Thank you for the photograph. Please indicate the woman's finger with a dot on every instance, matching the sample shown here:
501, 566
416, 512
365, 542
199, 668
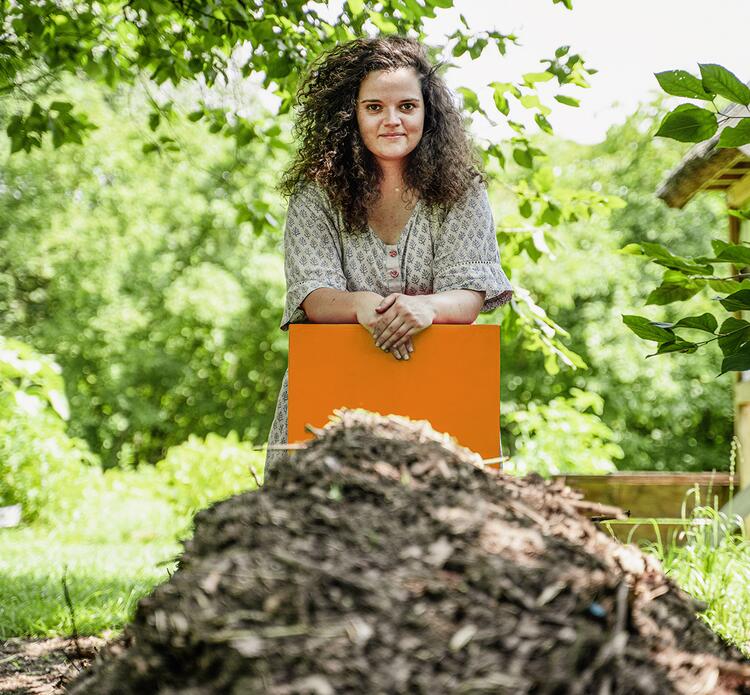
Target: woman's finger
390, 333
400, 353
398, 337
406, 342
386, 303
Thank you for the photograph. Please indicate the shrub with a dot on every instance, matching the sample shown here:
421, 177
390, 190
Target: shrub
199, 472
562, 436
39, 462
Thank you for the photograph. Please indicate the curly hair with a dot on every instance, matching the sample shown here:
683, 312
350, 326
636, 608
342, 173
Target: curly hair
332, 154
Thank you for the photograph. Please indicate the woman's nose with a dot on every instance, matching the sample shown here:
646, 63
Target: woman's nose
392, 117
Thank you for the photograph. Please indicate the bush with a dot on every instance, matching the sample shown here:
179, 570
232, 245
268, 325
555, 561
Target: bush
562, 437
40, 466
199, 472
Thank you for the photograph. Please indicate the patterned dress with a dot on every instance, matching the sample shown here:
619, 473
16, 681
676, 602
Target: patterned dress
437, 251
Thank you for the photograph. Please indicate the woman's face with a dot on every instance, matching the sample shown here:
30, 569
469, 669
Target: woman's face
390, 113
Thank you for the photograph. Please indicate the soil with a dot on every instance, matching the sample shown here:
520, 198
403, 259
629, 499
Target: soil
383, 559
43, 666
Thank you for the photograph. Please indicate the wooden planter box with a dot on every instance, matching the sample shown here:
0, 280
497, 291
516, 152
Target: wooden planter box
668, 497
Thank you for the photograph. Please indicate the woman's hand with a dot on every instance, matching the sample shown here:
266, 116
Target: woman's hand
401, 316
368, 318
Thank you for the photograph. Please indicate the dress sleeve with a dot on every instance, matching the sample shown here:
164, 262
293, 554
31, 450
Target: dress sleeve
466, 255
312, 251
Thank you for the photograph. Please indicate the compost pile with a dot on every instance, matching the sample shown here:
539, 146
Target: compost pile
384, 559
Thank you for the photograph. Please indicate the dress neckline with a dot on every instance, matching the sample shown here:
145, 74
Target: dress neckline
403, 229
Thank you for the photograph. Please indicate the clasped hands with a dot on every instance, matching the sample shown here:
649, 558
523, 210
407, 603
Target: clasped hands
393, 320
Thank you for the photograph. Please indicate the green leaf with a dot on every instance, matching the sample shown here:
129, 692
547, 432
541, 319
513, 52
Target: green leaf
551, 215
719, 80
731, 253
531, 78
671, 292
543, 123
355, 7
705, 322
676, 345
681, 83
736, 301
470, 98
646, 329
153, 121
738, 362
724, 286
735, 332
497, 152
523, 158
737, 136
663, 257
688, 123
195, 116
568, 101
525, 208
501, 102
632, 250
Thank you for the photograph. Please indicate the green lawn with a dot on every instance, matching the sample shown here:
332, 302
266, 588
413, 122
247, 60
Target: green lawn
104, 579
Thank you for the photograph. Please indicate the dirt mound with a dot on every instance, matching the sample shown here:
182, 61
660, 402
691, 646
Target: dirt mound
382, 559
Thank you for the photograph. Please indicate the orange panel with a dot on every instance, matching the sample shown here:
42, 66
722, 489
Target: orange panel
452, 379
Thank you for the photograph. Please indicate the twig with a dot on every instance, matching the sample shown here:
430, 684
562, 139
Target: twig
71, 610
255, 477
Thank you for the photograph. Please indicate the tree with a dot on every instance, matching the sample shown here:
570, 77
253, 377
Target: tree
686, 276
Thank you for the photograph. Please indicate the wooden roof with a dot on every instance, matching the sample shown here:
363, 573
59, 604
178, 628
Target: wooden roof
708, 168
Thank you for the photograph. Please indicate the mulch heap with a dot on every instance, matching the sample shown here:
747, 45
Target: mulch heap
384, 559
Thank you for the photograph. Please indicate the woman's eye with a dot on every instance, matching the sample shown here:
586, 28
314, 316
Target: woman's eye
373, 107
407, 107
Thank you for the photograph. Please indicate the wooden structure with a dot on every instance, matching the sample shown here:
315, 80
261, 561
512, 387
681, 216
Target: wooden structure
657, 504
452, 379
708, 168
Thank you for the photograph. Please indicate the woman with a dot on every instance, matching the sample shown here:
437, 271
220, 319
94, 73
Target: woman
389, 224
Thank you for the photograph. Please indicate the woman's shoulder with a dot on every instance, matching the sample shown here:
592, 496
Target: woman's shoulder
310, 200
474, 196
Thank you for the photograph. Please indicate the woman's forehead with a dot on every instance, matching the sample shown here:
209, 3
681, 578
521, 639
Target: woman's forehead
399, 84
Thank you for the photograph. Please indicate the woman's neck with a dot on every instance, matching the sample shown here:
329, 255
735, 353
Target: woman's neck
392, 180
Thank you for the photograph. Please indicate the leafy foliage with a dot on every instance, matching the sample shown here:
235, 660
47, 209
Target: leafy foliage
685, 277
161, 310
562, 436
39, 463
665, 414
199, 472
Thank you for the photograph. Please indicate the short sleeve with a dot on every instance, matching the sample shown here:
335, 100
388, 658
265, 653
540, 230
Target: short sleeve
312, 251
466, 256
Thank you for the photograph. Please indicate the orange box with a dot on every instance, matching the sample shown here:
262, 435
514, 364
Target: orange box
452, 379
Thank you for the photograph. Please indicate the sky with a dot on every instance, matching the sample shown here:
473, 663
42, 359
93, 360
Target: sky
627, 41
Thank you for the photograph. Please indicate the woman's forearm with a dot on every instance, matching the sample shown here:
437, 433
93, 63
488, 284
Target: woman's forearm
326, 305
455, 306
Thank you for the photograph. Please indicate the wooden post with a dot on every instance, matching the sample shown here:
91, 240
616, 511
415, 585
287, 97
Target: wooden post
741, 387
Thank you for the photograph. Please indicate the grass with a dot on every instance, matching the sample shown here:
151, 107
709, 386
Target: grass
712, 564
105, 580
113, 539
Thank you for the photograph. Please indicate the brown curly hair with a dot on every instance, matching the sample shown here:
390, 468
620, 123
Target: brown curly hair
332, 154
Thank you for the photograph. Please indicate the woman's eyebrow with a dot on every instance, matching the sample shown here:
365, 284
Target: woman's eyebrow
400, 101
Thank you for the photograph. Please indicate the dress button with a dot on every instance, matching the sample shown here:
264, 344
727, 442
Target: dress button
393, 253
394, 273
